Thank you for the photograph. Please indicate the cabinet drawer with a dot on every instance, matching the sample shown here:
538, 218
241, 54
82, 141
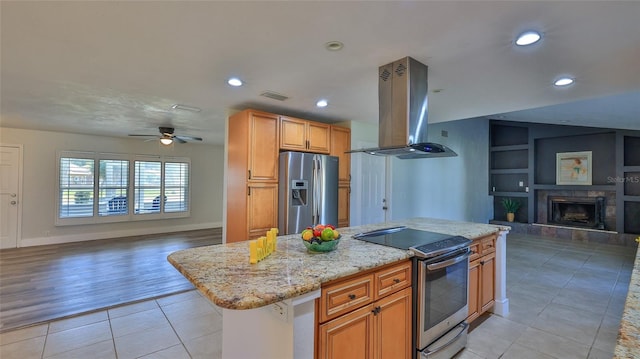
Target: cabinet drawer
475, 251
488, 245
392, 279
342, 297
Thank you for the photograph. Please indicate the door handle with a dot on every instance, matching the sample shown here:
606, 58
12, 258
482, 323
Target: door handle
13, 195
14, 202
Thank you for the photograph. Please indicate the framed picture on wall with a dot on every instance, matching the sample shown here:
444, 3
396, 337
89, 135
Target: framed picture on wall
573, 168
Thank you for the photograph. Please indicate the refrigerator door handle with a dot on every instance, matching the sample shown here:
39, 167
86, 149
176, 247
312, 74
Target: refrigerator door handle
319, 189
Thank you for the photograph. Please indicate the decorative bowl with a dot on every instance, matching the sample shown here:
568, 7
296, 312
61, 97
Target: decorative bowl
319, 246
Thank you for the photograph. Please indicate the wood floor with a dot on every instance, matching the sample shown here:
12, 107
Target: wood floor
42, 283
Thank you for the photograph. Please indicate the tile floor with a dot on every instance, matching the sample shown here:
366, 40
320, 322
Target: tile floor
566, 302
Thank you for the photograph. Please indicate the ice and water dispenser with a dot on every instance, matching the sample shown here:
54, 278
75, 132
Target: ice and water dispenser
298, 195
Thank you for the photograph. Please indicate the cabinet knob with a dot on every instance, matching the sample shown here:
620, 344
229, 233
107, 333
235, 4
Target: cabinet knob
396, 280
352, 296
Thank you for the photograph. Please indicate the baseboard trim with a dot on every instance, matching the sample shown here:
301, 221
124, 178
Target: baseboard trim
69, 238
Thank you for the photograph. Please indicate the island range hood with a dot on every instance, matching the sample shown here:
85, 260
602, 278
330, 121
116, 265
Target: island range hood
402, 100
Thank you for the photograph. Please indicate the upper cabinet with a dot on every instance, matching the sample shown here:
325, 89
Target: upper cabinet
304, 136
340, 144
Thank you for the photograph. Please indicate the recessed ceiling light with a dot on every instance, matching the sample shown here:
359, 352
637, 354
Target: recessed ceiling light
322, 103
563, 81
334, 46
528, 38
234, 81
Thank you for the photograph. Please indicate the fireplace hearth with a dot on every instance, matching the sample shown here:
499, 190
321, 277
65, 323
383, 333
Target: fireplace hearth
583, 212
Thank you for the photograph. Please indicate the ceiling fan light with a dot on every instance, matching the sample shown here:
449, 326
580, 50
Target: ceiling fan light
166, 141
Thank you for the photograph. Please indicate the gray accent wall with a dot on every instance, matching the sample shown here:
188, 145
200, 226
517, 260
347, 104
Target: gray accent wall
452, 188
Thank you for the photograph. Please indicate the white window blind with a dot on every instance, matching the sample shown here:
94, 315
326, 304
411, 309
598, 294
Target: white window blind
176, 186
148, 186
76, 187
113, 188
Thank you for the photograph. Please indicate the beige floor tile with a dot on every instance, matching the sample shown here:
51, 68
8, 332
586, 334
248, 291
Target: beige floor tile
146, 342
600, 354
516, 351
188, 309
180, 297
552, 345
174, 352
191, 328
502, 327
25, 349
75, 338
137, 322
23, 334
467, 354
79, 321
101, 350
206, 347
484, 343
132, 308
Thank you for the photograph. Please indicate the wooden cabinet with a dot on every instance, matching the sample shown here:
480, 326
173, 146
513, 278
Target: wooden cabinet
367, 316
304, 136
340, 144
482, 274
252, 175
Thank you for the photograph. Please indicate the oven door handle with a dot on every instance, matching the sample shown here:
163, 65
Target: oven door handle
430, 353
449, 262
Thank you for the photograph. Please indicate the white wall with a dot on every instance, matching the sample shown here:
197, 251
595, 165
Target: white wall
453, 188
39, 185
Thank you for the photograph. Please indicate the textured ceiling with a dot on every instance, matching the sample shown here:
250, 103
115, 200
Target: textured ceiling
114, 68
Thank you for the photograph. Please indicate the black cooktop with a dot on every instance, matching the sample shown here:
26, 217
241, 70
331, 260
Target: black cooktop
424, 243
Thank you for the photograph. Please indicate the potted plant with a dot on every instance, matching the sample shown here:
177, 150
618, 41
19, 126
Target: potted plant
511, 206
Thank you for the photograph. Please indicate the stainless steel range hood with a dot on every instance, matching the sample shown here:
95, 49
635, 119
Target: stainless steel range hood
402, 100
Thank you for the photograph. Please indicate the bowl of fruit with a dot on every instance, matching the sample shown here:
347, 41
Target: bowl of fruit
321, 238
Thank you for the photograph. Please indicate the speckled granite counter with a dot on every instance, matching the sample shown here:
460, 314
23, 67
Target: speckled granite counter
224, 275
628, 345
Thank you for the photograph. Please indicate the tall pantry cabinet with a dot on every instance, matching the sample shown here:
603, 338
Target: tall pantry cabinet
341, 143
252, 175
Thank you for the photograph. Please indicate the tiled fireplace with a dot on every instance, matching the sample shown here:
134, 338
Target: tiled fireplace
582, 209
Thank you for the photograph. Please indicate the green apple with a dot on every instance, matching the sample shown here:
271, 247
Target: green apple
327, 234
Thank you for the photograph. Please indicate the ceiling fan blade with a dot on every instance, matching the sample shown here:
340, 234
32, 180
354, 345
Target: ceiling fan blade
179, 139
143, 135
188, 138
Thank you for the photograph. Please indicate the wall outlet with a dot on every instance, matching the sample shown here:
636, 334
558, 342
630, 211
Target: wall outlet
521, 184
444, 133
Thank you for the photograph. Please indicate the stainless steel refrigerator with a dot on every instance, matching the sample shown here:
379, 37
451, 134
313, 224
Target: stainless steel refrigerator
308, 191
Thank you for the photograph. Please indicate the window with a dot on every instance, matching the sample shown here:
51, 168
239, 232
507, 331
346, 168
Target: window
102, 187
76, 187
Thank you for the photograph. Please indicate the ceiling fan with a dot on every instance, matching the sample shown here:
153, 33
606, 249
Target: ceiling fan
167, 137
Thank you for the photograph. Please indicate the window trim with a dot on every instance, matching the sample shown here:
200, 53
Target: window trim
131, 216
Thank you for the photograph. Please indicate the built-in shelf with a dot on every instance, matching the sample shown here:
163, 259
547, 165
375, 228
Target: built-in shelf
510, 194
509, 171
510, 148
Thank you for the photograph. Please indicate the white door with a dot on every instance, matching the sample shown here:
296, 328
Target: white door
9, 195
368, 183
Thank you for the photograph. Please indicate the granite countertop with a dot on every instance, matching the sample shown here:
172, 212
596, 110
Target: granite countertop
223, 273
628, 345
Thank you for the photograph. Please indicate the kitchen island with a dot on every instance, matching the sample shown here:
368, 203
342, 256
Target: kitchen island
628, 345
269, 307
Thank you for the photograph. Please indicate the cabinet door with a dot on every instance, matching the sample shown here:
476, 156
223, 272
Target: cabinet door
263, 148
293, 134
474, 288
262, 208
344, 193
318, 137
348, 337
341, 143
392, 337
487, 292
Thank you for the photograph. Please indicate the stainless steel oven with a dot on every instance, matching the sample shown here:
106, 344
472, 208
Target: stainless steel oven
440, 287
442, 303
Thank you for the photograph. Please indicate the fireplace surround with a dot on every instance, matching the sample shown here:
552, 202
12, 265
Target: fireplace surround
583, 212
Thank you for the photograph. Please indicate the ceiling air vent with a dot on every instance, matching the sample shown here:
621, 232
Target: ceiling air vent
274, 95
